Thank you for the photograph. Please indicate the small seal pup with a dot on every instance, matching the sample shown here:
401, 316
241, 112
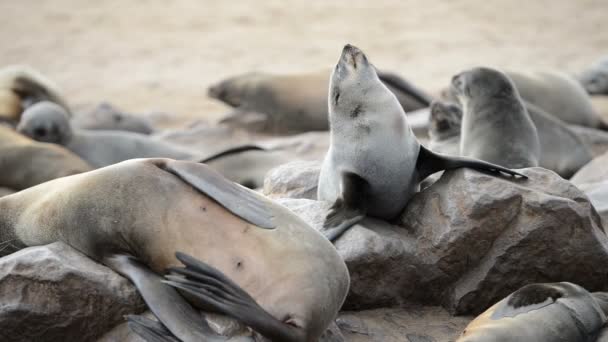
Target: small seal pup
496, 126
540, 312
595, 78
22, 86
25, 162
444, 128
297, 102
374, 164
246, 257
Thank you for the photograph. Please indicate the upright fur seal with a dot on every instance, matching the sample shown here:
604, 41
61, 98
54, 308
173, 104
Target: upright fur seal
298, 102
595, 78
246, 256
25, 162
22, 86
496, 126
540, 312
374, 164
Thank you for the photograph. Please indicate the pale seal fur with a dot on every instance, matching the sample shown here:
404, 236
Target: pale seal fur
496, 126
246, 256
595, 78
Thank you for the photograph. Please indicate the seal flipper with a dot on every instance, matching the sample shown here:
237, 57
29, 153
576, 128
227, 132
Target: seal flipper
406, 87
231, 151
150, 330
430, 162
349, 209
238, 200
165, 302
215, 290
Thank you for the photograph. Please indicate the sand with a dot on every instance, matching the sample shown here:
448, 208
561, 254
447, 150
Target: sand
146, 55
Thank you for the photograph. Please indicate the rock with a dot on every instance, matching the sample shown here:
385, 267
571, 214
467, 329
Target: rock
596, 139
595, 171
55, 293
411, 324
293, 180
107, 117
469, 240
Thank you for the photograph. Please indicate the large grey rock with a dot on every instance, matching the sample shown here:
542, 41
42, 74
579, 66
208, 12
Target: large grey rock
297, 179
55, 293
595, 171
469, 240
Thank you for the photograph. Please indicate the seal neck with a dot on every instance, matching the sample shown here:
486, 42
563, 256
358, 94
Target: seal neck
9, 242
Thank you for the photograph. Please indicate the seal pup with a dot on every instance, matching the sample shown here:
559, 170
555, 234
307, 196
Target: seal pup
496, 126
444, 128
374, 164
297, 102
25, 162
107, 117
595, 78
540, 312
246, 257
22, 86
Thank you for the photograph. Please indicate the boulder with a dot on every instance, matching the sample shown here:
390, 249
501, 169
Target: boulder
55, 293
595, 171
469, 240
297, 179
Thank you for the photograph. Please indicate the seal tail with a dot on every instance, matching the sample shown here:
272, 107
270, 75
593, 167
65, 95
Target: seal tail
430, 162
401, 84
231, 151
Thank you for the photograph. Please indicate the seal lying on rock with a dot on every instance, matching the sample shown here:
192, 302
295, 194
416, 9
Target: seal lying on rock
246, 257
540, 312
375, 163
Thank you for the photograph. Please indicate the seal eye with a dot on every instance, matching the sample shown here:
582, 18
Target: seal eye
39, 132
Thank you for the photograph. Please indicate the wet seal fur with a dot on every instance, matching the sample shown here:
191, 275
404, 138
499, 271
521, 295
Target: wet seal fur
540, 312
375, 163
245, 256
496, 126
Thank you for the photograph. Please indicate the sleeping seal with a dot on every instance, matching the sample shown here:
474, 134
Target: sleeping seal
22, 86
246, 256
539, 312
496, 126
298, 102
374, 164
25, 162
444, 128
595, 78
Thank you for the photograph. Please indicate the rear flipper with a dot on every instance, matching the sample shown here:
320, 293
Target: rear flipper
150, 330
165, 302
216, 291
430, 162
349, 209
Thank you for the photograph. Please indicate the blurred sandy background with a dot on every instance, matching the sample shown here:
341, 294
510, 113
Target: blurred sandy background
147, 55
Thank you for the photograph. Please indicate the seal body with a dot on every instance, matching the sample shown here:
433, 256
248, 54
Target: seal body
539, 312
108, 118
444, 128
151, 208
496, 126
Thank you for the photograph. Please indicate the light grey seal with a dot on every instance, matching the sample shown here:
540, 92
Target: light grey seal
595, 78
246, 257
374, 164
540, 312
444, 128
496, 126
106, 117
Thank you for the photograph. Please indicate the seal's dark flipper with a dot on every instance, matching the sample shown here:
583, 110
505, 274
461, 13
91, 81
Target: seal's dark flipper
398, 82
149, 330
215, 290
348, 209
165, 302
430, 162
231, 151
238, 200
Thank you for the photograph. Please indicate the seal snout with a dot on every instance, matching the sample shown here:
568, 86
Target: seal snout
353, 56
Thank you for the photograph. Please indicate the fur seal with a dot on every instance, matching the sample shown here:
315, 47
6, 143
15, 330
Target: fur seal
540, 312
444, 128
297, 102
246, 257
22, 86
595, 78
375, 163
107, 117
496, 126
25, 162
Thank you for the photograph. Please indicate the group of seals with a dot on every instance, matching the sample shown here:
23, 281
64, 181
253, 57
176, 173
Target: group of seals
375, 163
541, 312
297, 102
246, 256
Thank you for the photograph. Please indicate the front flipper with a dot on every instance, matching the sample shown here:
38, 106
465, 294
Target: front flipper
231, 151
165, 302
430, 162
149, 330
349, 209
238, 200
215, 290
